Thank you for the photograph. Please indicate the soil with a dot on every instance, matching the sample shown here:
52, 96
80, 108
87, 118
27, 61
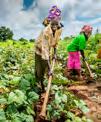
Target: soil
91, 94
88, 90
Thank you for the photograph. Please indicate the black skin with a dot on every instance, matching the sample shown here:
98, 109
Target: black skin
82, 51
83, 55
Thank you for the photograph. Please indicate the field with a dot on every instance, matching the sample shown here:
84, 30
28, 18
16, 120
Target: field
20, 96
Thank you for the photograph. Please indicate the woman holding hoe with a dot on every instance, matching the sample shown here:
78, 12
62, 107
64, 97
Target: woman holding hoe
75, 48
47, 40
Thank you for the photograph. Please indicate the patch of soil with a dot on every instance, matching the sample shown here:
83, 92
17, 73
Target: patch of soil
91, 94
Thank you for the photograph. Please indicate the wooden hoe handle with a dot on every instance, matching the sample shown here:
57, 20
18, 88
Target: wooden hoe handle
91, 74
43, 110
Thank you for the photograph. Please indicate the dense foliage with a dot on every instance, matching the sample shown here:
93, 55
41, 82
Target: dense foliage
5, 33
18, 91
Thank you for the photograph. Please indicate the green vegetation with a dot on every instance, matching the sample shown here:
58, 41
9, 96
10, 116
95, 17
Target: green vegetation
5, 33
18, 91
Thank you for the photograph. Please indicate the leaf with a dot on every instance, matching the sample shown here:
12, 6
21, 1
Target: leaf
76, 103
27, 118
20, 96
64, 98
70, 115
2, 116
55, 87
3, 101
56, 114
49, 108
68, 120
16, 119
12, 98
82, 102
15, 81
17, 96
24, 84
85, 109
82, 106
28, 77
11, 109
89, 120
30, 111
32, 96
77, 119
57, 98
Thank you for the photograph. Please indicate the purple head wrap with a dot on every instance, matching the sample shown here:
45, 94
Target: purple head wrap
54, 13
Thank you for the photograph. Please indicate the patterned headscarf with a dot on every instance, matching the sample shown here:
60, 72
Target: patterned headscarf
86, 28
54, 13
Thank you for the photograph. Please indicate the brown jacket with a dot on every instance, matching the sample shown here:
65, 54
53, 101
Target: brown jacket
46, 41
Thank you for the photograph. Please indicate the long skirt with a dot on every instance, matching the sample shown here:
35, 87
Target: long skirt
73, 61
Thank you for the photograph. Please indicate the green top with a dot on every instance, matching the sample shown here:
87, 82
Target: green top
78, 43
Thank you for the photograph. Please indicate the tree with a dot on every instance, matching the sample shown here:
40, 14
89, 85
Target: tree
5, 33
32, 40
23, 40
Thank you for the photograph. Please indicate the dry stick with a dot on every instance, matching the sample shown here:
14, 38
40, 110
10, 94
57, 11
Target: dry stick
43, 111
91, 74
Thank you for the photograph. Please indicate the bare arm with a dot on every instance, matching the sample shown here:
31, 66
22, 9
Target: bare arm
82, 53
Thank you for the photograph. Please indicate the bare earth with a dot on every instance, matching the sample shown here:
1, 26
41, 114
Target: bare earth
91, 94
